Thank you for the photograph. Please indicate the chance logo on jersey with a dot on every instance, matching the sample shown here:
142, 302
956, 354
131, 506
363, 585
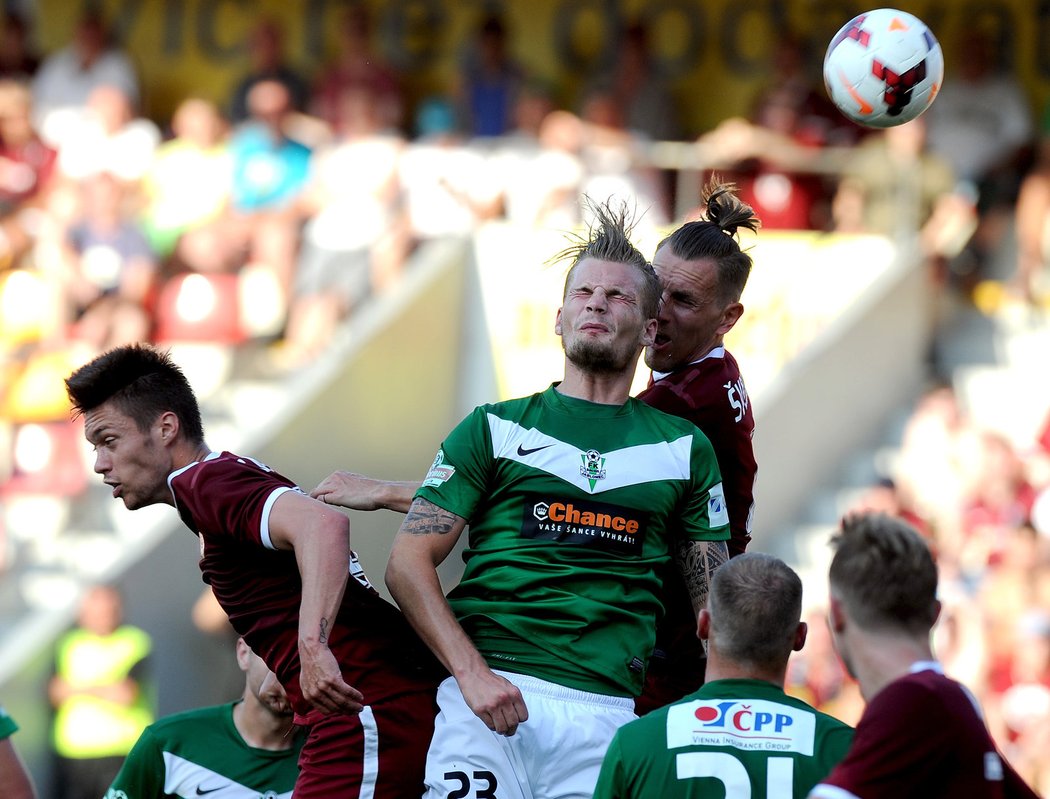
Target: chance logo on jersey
741, 724
584, 523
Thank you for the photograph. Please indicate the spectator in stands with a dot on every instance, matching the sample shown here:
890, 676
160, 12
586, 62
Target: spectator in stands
15, 782
268, 63
270, 171
488, 82
340, 263
538, 164
357, 65
982, 126
18, 59
190, 180
107, 136
66, 78
640, 90
771, 155
616, 162
110, 268
448, 187
899, 186
97, 691
26, 162
27, 169
246, 748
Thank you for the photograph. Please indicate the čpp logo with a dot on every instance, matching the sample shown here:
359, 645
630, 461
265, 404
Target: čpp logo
739, 717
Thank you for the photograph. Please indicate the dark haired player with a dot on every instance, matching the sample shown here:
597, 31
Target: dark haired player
703, 272
280, 565
922, 734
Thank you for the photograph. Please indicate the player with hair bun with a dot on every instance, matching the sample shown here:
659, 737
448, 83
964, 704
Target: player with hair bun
703, 271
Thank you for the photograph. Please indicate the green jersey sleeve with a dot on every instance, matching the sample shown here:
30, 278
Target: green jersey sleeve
7, 725
459, 476
142, 775
704, 516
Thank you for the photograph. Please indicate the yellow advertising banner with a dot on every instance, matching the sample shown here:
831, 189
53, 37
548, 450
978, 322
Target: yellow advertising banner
714, 54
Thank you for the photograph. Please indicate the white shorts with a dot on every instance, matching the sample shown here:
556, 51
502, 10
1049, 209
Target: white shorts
556, 754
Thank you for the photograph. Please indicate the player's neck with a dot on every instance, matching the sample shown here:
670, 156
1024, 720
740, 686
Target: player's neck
260, 728
880, 658
719, 669
603, 388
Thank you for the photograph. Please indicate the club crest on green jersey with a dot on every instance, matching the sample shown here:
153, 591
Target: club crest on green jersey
593, 466
439, 471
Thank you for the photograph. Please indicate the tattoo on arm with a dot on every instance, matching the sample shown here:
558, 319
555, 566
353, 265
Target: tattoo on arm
323, 633
425, 517
697, 560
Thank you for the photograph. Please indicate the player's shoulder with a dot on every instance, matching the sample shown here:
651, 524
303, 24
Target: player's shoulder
190, 723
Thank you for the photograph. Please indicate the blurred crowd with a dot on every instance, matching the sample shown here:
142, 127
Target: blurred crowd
270, 218
982, 501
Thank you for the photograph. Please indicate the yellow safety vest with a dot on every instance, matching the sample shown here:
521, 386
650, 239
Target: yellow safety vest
87, 726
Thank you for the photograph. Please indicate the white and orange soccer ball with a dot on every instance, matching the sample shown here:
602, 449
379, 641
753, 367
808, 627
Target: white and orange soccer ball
883, 68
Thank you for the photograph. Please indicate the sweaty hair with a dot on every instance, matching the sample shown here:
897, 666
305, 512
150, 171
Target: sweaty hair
884, 574
609, 239
714, 236
142, 383
755, 605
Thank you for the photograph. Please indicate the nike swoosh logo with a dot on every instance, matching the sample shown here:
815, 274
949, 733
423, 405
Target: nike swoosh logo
522, 451
201, 791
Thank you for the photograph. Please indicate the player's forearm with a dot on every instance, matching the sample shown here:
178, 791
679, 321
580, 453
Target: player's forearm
324, 561
411, 577
395, 496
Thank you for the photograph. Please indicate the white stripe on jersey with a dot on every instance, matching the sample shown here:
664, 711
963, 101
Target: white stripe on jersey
630, 466
823, 791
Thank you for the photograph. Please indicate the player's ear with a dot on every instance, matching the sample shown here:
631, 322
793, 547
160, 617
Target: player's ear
800, 637
557, 323
836, 616
168, 427
649, 334
244, 654
703, 625
730, 316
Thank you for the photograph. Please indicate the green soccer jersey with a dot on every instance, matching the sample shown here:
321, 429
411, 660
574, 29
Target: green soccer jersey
571, 507
732, 738
7, 725
200, 753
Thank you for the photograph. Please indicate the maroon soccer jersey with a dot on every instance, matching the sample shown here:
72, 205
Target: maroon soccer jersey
922, 736
711, 394
226, 500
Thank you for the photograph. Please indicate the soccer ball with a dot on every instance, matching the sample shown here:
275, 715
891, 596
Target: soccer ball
883, 68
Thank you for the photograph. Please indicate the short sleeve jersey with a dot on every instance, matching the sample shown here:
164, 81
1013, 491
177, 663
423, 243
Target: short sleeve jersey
572, 506
7, 725
200, 752
731, 738
227, 499
922, 736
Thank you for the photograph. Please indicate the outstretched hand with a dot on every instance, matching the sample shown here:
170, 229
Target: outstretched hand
349, 489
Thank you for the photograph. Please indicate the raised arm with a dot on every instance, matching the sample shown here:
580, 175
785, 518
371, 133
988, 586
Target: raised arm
427, 536
697, 561
320, 538
358, 492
